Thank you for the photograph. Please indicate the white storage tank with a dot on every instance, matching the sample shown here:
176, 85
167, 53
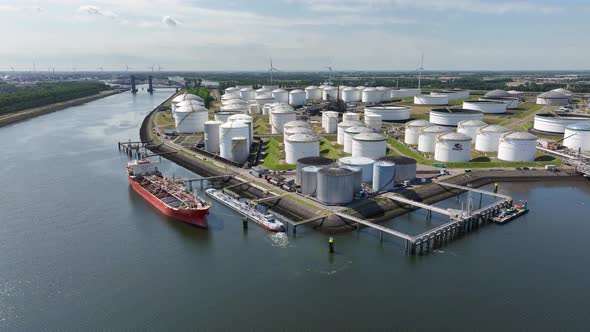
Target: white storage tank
211, 135
405, 93
390, 113
313, 92
511, 102
263, 92
309, 179
296, 123
231, 90
370, 145
330, 93
297, 97
470, 127
229, 96
452, 147
350, 94
227, 132
350, 116
234, 102
246, 119
577, 136
366, 165
297, 130
335, 186
235, 108
452, 117
330, 121
374, 121
342, 126
240, 87
384, 93
485, 106
270, 87
311, 161
264, 99
247, 94
555, 122
405, 168
183, 97
517, 146
223, 116
487, 138
553, 98
427, 138
357, 177
190, 119
498, 93
412, 132
431, 100
190, 103
281, 96
301, 146
280, 116
452, 94
383, 176
240, 149
371, 95
350, 132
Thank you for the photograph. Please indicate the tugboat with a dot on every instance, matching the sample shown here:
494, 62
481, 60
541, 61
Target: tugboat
509, 214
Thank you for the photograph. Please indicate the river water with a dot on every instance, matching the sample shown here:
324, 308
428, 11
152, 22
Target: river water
80, 250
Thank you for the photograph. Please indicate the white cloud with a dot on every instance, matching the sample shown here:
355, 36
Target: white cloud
170, 21
95, 10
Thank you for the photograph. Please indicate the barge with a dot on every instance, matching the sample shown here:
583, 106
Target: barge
509, 214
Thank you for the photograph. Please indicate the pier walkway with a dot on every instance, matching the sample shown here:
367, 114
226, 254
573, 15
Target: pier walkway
475, 190
448, 212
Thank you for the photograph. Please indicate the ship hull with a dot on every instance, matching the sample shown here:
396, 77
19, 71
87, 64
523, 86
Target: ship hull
195, 217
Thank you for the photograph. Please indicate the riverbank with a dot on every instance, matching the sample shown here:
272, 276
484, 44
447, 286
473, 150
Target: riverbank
36, 111
375, 210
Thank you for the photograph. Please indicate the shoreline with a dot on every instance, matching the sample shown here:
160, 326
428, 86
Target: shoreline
376, 211
22, 115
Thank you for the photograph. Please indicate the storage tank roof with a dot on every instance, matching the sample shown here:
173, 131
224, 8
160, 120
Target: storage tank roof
435, 129
384, 163
189, 102
520, 135
370, 89
485, 102
369, 137
312, 169
349, 88
358, 130
299, 130
280, 110
552, 95
192, 108
582, 126
213, 122
564, 91
494, 129
418, 123
263, 90
498, 93
302, 138
186, 96
455, 111
246, 90
400, 160
355, 161
315, 161
350, 123
296, 91
471, 123
235, 124
312, 87
387, 108
454, 137
296, 123
239, 117
335, 171
279, 90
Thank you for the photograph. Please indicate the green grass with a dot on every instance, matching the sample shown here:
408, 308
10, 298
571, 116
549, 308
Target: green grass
273, 155
298, 200
328, 150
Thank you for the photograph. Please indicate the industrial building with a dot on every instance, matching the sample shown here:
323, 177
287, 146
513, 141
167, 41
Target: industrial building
452, 116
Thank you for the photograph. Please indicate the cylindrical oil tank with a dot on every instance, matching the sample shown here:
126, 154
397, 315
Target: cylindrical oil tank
229, 96
240, 149
297, 97
412, 132
280, 116
370, 145
234, 102
342, 126
577, 136
297, 130
485, 106
405, 168
296, 123
511, 103
232, 90
190, 103
487, 138
330, 121
270, 87
374, 121
183, 97
357, 178
243, 87
311, 161
235, 108
227, 132
211, 136
453, 147
330, 93
246, 119
384, 93
300, 146
309, 179
431, 100
452, 117
350, 132
223, 116
556, 122
190, 119
281, 96
383, 176
335, 186
350, 94
263, 92
361, 88
405, 93
313, 92
517, 146
366, 165
253, 108
371, 95
427, 138
470, 127
553, 98
264, 99
248, 94
389, 113
350, 116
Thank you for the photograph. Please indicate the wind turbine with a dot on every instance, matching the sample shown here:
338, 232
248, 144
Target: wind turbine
330, 69
271, 70
420, 70
127, 67
152, 67
160, 67
100, 68
12, 68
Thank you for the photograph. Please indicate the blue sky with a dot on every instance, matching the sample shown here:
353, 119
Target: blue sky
298, 34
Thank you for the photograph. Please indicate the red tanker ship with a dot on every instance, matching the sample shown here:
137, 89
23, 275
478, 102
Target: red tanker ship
166, 195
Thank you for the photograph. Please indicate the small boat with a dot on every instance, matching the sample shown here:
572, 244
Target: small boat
267, 221
511, 213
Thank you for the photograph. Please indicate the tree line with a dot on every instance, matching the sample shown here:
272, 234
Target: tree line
203, 93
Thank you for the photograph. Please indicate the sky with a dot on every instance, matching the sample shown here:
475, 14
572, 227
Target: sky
233, 35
